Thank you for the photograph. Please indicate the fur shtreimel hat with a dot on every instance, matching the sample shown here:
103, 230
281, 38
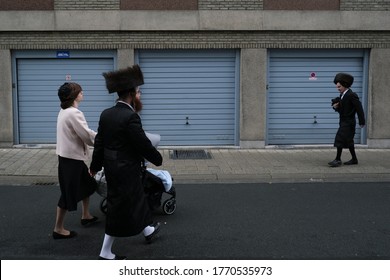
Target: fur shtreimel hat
346, 80
124, 79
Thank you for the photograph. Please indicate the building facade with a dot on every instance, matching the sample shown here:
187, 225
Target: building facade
220, 73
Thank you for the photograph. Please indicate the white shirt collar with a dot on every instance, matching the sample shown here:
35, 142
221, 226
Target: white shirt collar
344, 93
127, 104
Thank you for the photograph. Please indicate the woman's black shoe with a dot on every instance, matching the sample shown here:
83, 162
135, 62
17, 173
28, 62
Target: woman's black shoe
87, 222
63, 236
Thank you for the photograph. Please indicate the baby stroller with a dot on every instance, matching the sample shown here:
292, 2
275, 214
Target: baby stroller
155, 183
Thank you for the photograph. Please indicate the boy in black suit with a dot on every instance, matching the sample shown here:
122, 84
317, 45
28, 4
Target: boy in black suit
347, 105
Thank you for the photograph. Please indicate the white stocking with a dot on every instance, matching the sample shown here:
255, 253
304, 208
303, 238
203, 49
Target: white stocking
107, 246
148, 230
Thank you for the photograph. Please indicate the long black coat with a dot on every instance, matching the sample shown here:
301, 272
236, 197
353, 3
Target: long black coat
120, 146
349, 106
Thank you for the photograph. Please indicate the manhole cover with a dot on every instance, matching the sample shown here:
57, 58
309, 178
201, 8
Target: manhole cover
189, 154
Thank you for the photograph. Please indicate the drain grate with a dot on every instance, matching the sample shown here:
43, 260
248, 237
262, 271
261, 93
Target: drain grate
189, 154
44, 184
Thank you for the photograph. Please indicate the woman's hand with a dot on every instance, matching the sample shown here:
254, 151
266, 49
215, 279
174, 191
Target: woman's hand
92, 173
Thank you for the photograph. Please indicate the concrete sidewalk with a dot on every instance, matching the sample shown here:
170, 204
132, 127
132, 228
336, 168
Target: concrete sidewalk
20, 166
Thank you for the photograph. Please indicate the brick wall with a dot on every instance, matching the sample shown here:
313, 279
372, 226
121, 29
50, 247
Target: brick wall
301, 4
345, 5
126, 5
159, 4
189, 40
365, 5
230, 4
86, 5
22, 5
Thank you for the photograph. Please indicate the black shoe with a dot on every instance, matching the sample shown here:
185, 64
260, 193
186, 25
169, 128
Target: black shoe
150, 237
63, 236
115, 258
87, 222
351, 162
335, 163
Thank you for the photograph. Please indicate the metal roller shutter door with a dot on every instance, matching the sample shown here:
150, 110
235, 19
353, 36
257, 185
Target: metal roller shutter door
190, 96
300, 87
37, 87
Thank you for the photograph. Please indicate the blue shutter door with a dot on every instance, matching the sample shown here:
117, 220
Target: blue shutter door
38, 102
190, 96
300, 89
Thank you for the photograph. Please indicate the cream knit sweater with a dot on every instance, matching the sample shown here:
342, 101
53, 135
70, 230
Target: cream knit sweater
73, 134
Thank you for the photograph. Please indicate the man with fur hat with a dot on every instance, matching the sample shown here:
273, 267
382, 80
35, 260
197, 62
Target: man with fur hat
120, 146
347, 105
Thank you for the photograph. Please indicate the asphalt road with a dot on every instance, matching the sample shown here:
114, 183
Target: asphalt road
312, 221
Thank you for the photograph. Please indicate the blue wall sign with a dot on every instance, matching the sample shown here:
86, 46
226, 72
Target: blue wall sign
63, 54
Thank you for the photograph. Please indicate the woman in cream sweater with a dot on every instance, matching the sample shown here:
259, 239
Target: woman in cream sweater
73, 138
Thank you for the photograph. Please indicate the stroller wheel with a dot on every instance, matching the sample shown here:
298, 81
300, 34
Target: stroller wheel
169, 206
103, 206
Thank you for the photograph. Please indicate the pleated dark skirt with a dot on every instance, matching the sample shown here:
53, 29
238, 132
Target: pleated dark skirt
75, 183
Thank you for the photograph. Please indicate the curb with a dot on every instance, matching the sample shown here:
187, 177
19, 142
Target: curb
224, 179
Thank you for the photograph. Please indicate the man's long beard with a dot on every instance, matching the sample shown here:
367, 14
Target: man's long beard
137, 105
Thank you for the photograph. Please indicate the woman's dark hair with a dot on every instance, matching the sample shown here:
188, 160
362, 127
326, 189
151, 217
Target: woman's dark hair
67, 93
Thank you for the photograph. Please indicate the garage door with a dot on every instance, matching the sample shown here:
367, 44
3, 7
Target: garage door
300, 87
38, 80
190, 96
